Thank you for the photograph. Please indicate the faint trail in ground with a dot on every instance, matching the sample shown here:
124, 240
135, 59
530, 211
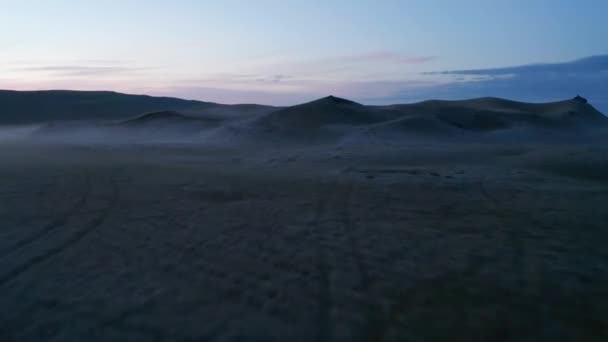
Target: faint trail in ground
324, 299
54, 224
73, 239
515, 234
375, 322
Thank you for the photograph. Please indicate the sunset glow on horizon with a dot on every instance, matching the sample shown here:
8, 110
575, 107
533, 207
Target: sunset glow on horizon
285, 52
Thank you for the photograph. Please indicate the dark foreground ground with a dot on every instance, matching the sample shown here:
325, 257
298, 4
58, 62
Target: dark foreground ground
419, 243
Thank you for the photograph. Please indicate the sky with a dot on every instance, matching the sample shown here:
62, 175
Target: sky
286, 52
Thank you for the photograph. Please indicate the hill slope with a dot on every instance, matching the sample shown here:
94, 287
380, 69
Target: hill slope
327, 118
487, 114
18, 107
329, 110
168, 117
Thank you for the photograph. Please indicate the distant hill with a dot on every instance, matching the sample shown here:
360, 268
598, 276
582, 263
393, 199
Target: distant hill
18, 107
167, 117
170, 120
436, 116
328, 118
329, 110
488, 113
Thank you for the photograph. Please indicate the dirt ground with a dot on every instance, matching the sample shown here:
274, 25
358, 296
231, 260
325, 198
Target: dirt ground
386, 243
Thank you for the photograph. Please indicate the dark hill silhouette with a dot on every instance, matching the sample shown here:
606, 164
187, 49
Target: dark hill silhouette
154, 125
163, 115
326, 117
329, 110
59, 105
438, 118
169, 117
487, 114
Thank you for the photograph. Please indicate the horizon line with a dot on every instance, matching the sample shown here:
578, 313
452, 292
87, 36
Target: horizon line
295, 104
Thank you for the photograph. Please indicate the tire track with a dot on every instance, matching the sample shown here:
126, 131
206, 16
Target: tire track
349, 226
375, 327
514, 236
324, 300
54, 224
73, 239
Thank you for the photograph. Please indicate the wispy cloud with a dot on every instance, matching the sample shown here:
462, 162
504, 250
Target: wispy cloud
231, 96
79, 70
359, 65
274, 74
235, 78
591, 64
273, 78
354, 76
533, 82
369, 74
296, 91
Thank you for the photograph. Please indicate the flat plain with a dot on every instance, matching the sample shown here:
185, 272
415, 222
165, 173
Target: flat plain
418, 242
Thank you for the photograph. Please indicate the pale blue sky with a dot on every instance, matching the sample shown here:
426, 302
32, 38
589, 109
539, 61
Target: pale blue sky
282, 52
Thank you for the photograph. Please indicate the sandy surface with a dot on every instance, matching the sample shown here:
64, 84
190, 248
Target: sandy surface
413, 243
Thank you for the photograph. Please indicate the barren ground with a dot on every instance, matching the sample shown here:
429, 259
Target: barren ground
418, 243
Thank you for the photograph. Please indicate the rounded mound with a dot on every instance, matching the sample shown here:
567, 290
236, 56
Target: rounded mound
330, 110
167, 115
